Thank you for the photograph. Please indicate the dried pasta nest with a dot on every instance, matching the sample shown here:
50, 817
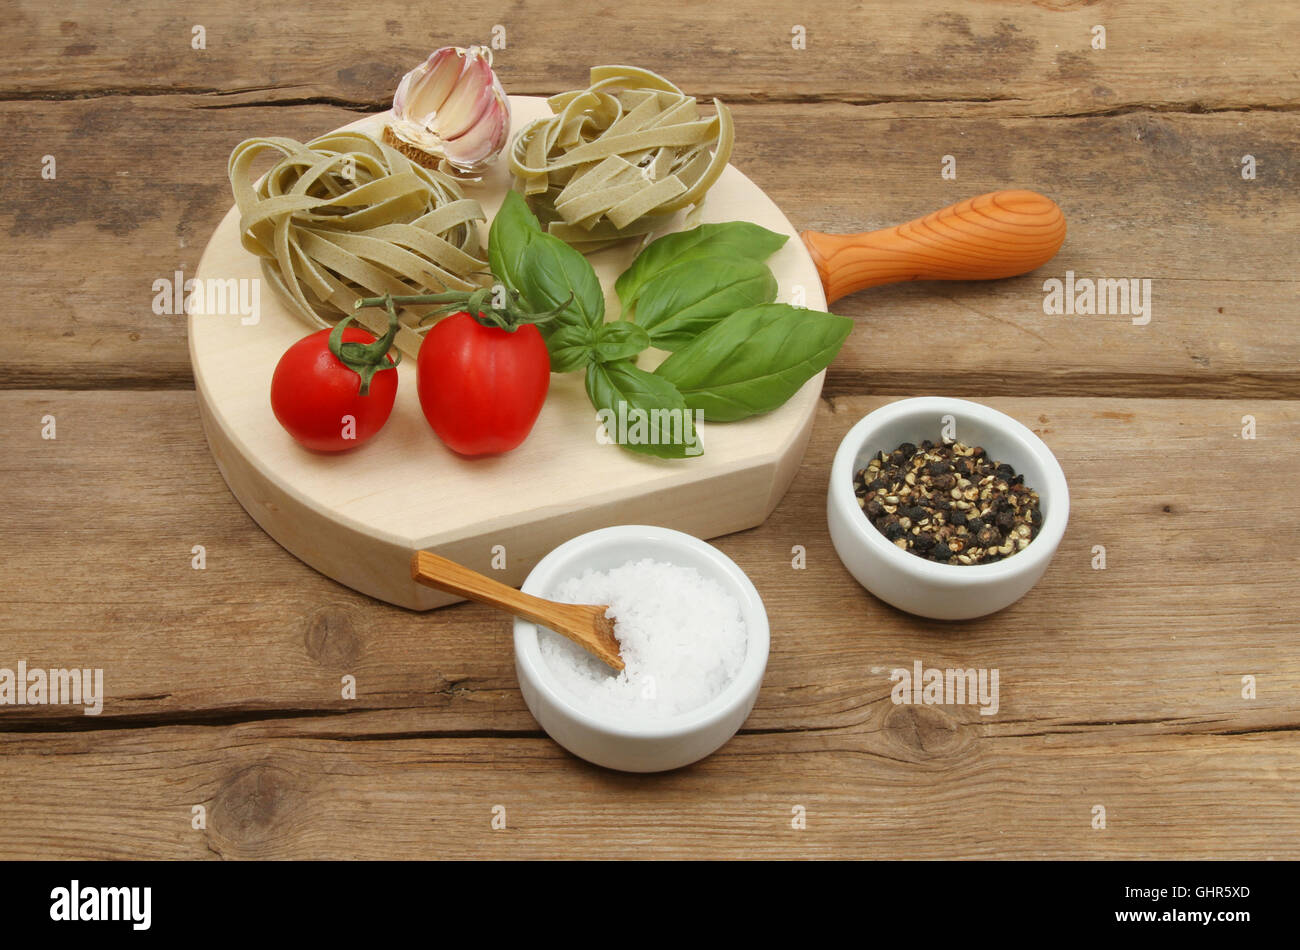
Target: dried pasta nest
617, 159
344, 217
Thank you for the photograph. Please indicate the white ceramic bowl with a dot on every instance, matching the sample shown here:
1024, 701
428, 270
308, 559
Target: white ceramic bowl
929, 588
621, 743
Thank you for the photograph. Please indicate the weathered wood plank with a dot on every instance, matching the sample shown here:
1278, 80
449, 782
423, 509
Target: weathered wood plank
1147, 196
1021, 57
901, 786
1197, 593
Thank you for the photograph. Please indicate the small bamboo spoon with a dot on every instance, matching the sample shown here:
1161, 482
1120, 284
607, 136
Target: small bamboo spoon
584, 624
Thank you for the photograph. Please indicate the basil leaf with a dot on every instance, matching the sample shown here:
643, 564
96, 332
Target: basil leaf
512, 231
552, 273
620, 340
730, 239
571, 346
755, 359
679, 304
641, 411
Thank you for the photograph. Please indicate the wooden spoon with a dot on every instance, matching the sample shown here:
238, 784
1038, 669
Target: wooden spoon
584, 624
999, 234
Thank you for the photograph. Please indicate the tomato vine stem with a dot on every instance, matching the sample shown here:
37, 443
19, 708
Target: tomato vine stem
366, 359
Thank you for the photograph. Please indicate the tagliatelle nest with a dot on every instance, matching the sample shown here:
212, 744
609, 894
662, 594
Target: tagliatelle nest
345, 217
618, 158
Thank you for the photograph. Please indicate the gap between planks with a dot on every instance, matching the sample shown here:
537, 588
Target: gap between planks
370, 106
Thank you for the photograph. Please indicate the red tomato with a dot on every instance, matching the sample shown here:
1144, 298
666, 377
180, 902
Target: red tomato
482, 388
313, 394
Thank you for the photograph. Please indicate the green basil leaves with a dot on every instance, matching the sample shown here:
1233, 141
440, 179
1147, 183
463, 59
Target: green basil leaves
733, 240
641, 411
677, 305
705, 295
754, 360
544, 270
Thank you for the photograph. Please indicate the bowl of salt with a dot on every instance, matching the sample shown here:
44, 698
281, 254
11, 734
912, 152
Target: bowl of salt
692, 632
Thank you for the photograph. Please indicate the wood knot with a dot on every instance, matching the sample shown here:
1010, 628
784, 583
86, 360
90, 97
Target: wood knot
251, 806
924, 729
331, 638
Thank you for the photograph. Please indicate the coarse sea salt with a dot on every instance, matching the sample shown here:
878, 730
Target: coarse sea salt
681, 635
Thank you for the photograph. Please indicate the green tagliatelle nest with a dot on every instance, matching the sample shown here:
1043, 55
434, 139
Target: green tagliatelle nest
345, 217
618, 158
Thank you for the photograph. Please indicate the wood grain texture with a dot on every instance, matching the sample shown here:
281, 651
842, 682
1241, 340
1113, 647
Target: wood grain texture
898, 786
1145, 196
991, 236
1119, 687
1192, 602
1022, 57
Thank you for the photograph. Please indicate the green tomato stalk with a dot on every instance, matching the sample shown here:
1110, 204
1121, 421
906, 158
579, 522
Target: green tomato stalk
366, 359
510, 316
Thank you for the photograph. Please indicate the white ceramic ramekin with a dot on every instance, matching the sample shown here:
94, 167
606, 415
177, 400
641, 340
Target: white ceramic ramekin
624, 744
929, 588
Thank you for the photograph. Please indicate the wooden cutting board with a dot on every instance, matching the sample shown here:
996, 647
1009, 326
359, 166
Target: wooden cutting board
357, 517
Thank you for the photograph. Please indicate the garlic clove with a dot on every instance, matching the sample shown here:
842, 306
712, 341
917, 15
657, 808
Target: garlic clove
485, 108
451, 109
424, 89
484, 138
463, 106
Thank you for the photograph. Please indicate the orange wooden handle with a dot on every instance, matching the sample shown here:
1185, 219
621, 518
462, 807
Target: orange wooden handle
1000, 234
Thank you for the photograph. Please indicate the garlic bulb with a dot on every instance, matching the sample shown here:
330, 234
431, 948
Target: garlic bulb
450, 112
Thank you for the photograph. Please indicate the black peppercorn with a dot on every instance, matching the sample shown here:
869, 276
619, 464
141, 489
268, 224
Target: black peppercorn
917, 485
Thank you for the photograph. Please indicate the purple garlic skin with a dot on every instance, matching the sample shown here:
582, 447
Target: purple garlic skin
453, 108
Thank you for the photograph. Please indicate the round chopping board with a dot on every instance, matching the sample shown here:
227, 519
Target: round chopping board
358, 516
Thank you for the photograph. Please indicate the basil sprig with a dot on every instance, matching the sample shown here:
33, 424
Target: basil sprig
706, 295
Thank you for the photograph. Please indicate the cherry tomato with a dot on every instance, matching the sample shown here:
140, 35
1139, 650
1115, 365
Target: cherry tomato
318, 399
481, 387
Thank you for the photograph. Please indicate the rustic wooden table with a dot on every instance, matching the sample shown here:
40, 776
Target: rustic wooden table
1147, 709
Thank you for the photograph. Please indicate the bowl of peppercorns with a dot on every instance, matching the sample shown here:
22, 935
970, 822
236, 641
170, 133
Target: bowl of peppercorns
945, 508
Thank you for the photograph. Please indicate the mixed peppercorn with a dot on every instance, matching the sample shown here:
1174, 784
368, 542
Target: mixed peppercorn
948, 502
